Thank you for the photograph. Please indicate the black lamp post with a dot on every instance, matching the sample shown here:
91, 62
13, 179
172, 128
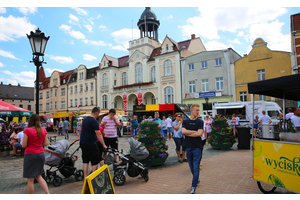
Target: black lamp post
206, 100
38, 43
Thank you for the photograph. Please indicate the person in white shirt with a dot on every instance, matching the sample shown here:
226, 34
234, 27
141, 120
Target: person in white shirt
296, 120
264, 119
18, 144
169, 127
289, 114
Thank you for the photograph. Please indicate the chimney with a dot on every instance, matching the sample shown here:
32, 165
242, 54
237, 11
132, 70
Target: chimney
19, 85
193, 36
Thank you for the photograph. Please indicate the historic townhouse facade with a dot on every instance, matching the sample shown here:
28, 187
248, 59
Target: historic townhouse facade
82, 89
208, 74
151, 70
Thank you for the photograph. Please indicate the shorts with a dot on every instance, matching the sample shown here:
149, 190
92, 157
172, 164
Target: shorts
100, 147
111, 142
169, 129
178, 143
90, 153
17, 144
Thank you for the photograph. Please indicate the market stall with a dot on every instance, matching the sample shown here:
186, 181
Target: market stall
276, 160
8, 110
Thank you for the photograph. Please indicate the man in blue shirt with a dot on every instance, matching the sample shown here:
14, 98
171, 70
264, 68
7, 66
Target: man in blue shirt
192, 128
158, 120
66, 128
133, 125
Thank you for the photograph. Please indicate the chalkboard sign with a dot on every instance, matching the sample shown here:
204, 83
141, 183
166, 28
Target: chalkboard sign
99, 182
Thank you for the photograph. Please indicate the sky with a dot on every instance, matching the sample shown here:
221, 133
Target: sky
83, 34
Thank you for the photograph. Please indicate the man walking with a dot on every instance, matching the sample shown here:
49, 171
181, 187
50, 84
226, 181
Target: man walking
90, 132
111, 123
192, 128
133, 125
66, 128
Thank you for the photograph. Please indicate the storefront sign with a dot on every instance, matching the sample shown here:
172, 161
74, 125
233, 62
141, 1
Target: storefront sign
277, 164
166, 107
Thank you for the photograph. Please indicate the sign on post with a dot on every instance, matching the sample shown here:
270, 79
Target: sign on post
99, 182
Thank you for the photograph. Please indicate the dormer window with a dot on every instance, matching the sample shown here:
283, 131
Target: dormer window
104, 64
167, 47
64, 81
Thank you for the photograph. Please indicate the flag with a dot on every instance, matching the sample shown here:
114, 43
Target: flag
78, 106
125, 102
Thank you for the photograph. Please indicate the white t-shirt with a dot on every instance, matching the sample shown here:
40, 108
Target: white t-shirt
265, 119
296, 121
288, 116
164, 123
237, 121
20, 136
169, 122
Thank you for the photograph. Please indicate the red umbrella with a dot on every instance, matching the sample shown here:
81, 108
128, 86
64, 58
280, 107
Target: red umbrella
9, 109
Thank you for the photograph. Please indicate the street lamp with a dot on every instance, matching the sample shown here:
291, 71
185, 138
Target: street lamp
206, 100
38, 43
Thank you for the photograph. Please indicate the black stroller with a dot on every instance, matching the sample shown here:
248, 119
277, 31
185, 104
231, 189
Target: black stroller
130, 163
56, 156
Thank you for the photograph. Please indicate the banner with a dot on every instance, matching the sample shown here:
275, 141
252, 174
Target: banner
140, 97
125, 102
277, 163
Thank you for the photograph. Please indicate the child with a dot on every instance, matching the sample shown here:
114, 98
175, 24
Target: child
233, 121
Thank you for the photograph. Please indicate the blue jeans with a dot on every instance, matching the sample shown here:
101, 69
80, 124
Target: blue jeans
194, 157
134, 132
66, 133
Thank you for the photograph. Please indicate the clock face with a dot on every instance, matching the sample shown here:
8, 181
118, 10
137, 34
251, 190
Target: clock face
137, 55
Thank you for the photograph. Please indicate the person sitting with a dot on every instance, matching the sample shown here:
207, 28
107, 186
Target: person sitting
18, 144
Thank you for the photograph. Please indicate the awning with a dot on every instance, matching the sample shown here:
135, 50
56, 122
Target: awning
230, 107
7, 109
285, 86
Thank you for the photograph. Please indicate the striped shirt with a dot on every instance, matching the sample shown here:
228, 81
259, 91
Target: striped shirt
110, 128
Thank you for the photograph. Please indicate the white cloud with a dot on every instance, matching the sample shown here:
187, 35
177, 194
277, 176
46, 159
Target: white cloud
89, 57
73, 18
211, 20
2, 10
14, 27
102, 27
89, 27
236, 41
1, 64
61, 59
99, 16
49, 71
241, 33
122, 37
25, 78
215, 45
80, 11
8, 54
95, 43
170, 17
27, 10
75, 34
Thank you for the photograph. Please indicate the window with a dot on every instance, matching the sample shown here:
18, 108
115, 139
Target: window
55, 105
21, 105
80, 102
47, 95
50, 105
124, 78
167, 47
104, 79
71, 103
75, 89
115, 82
167, 68
262, 98
139, 73
40, 107
48, 85
153, 75
243, 96
92, 86
62, 92
81, 75
219, 83
29, 107
75, 102
153, 101
86, 101
92, 100
51, 93
205, 85
62, 104
191, 67
71, 89
80, 88
204, 64
41, 95
192, 88
169, 95
261, 75
55, 92
47, 106
86, 87
54, 81
218, 62
104, 101
64, 80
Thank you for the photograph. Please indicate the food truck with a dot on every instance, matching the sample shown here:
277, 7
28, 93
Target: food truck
276, 153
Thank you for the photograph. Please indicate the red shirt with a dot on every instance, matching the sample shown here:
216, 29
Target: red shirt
101, 130
34, 143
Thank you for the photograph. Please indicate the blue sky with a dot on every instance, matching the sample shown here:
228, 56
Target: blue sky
82, 35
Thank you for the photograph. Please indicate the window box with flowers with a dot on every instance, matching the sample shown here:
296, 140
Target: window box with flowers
133, 85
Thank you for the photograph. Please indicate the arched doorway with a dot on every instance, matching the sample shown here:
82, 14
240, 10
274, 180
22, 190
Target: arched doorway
131, 100
149, 98
118, 103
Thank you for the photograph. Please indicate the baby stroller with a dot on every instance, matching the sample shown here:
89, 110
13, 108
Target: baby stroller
130, 163
56, 156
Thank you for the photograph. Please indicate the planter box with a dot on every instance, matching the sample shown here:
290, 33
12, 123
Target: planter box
289, 137
154, 162
221, 146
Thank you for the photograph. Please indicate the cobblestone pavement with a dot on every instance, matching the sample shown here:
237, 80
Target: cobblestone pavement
223, 171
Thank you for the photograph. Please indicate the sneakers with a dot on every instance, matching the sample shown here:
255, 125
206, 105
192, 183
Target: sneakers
193, 191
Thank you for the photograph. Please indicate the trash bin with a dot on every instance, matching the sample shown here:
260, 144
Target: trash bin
243, 137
